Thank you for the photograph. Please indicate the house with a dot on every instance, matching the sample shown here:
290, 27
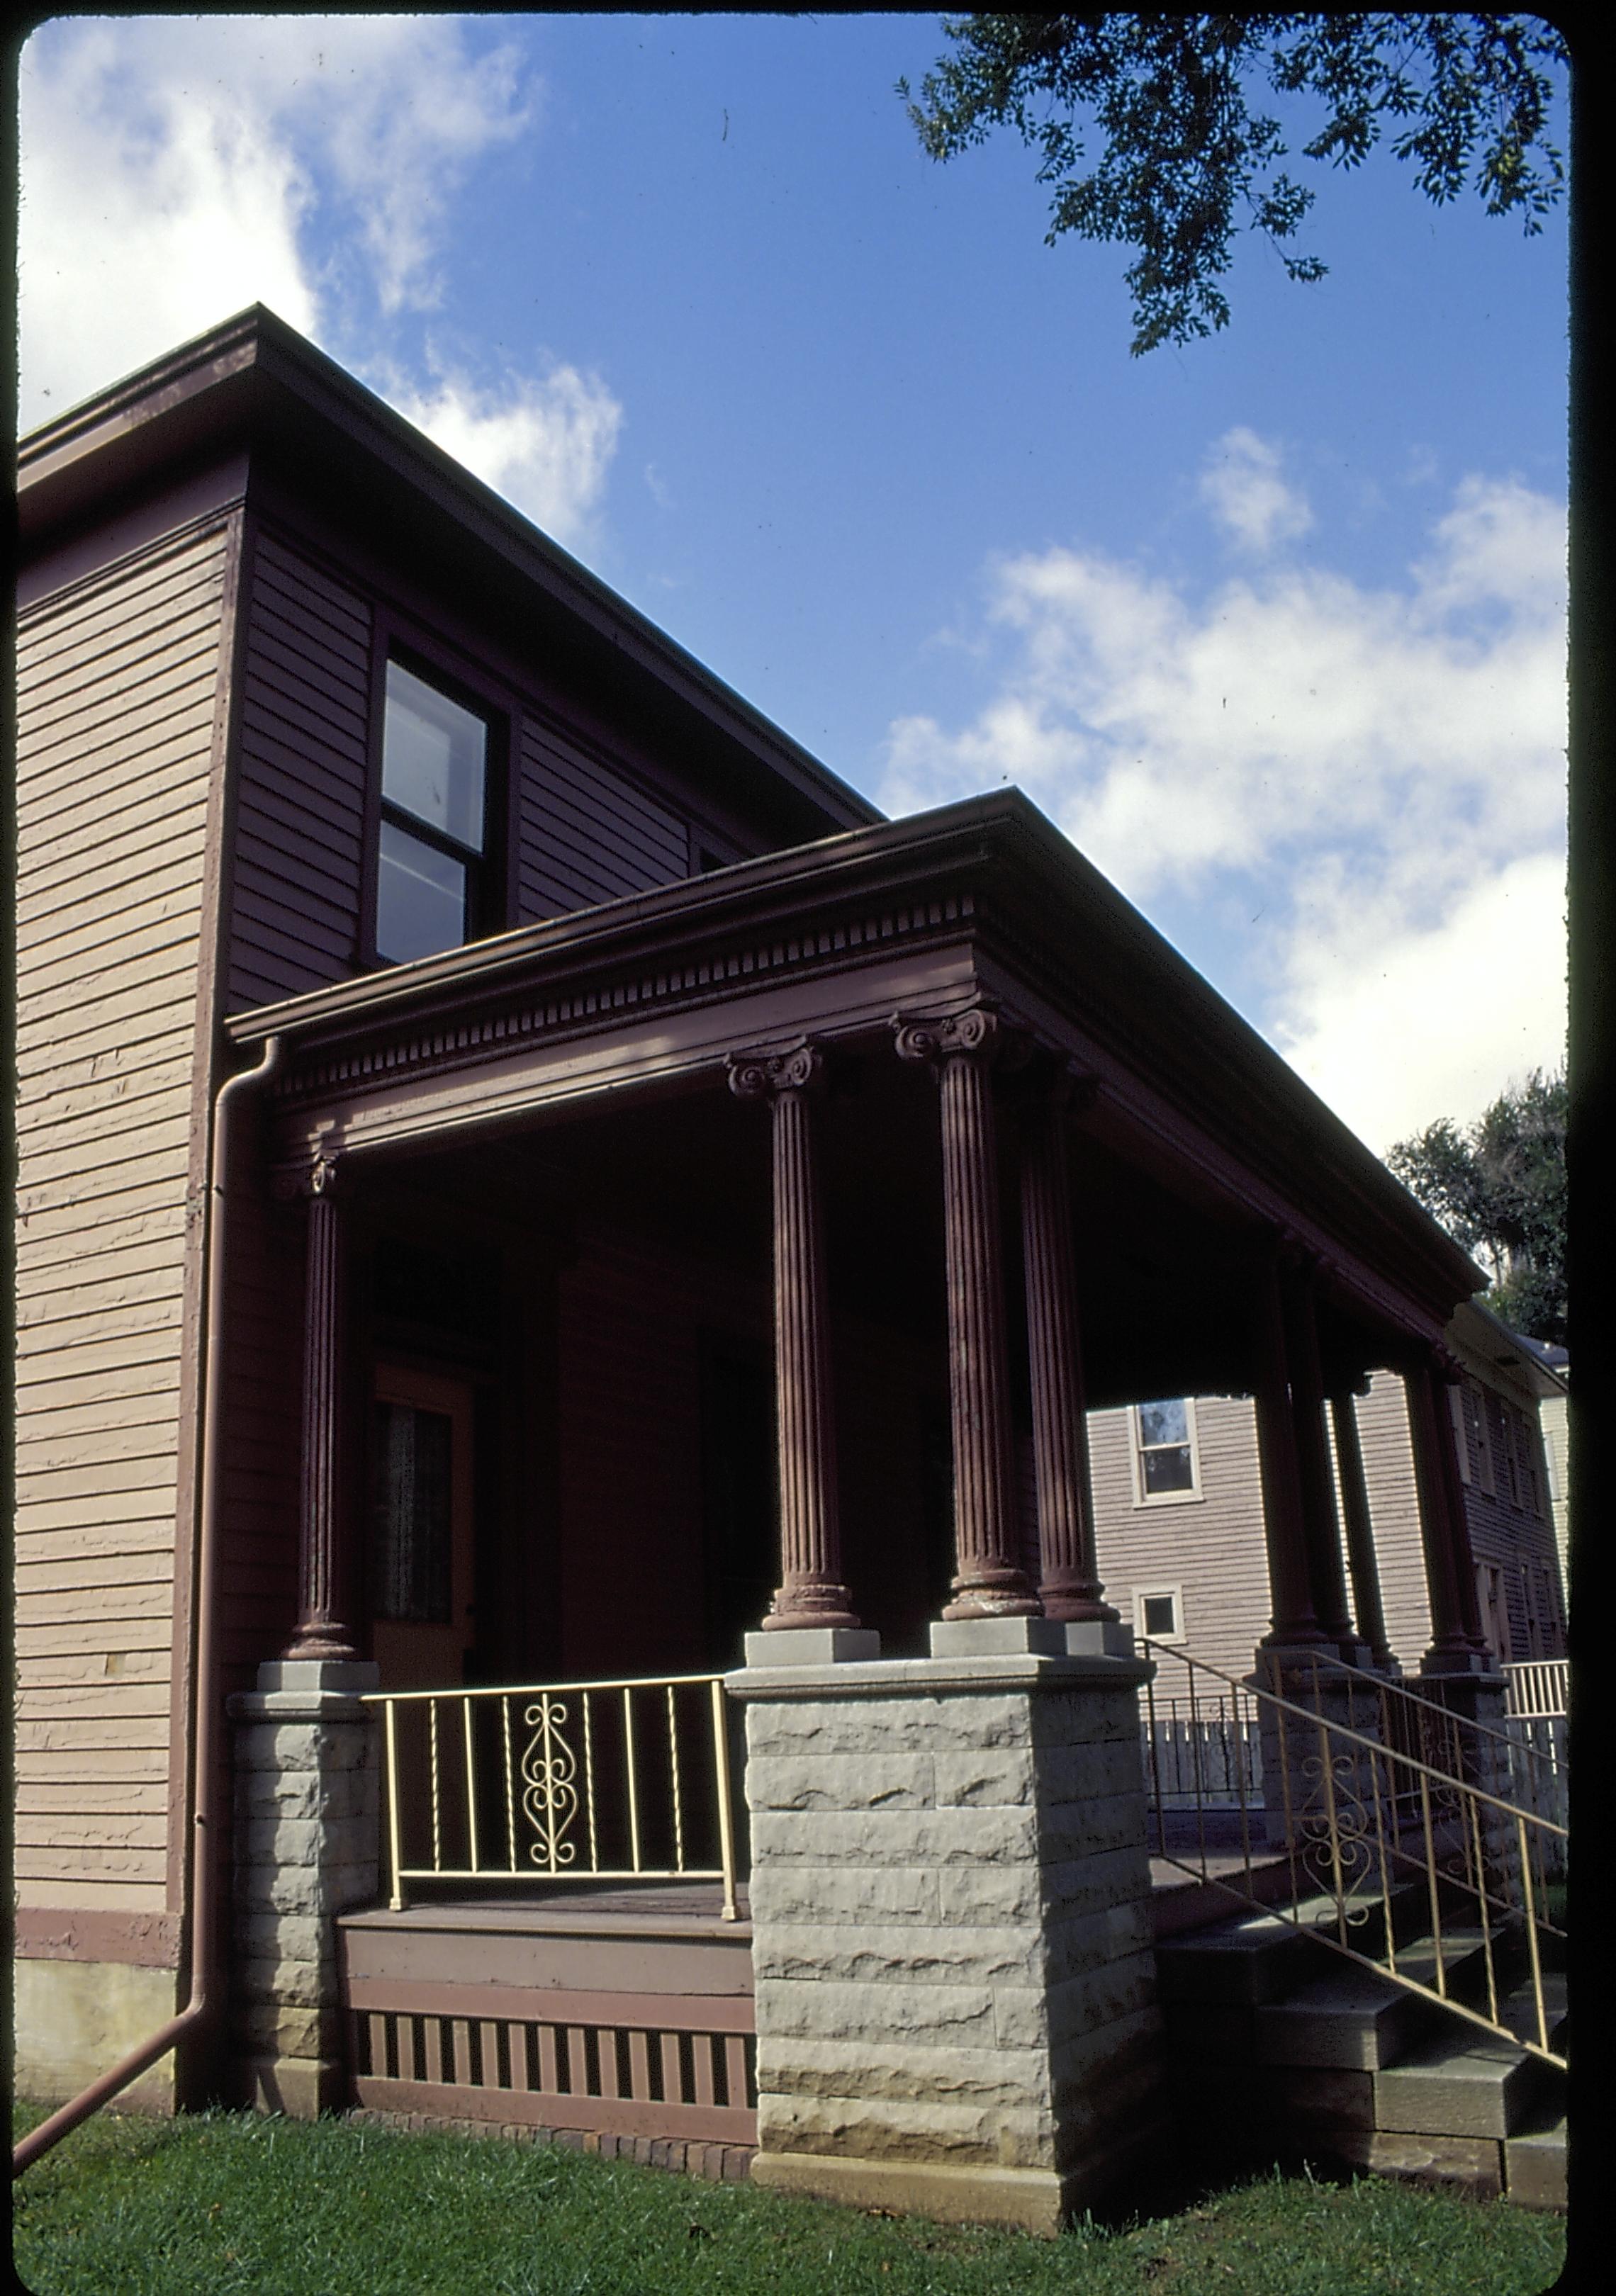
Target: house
1177, 1506
527, 1182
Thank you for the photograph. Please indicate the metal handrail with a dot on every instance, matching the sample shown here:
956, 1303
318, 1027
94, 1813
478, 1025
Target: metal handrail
1358, 1818
1384, 1689
576, 1779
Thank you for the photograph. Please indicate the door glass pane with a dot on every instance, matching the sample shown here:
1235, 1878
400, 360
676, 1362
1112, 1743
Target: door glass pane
411, 1526
420, 897
434, 757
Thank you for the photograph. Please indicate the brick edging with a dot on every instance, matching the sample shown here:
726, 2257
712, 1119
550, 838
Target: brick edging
718, 2163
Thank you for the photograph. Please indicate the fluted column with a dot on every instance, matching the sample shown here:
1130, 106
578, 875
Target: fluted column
1321, 1529
1457, 1639
1362, 1563
989, 1581
320, 1632
811, 1592
1294, 1620
1068, 1586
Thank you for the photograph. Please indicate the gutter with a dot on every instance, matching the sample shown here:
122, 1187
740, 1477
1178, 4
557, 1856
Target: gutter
202, 1984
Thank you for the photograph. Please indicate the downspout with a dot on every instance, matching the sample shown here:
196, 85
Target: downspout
204, 1720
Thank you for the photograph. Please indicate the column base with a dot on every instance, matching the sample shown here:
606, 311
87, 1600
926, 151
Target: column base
812, 1647
351, 1676
998, 1637
1099, 1639
1451, 1661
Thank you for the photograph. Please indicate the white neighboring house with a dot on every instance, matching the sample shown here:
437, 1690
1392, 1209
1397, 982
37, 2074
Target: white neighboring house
1178, 1509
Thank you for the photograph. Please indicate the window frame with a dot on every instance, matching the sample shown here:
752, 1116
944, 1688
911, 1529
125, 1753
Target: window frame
491, 902
1140, 1595
1136, 1450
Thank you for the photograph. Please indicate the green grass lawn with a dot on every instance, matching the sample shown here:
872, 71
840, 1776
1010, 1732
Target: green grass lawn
230, 2204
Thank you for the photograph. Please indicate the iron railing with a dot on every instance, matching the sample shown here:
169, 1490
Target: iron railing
1346, 1821
559, 1782
1524, 1759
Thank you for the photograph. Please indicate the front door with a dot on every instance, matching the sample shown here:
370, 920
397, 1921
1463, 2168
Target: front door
420, 1557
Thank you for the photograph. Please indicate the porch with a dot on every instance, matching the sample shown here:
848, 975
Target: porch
663, 1308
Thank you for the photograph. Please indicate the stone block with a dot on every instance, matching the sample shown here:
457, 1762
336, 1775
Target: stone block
904, 1956
307, 1891
284, 1937
1001, 1778
838, 1782
1474, 2164
990, 1895
966, 1723
836, 1896
1080, 1774
301, 2087
895, 1837
306, 1793
287, 1980
987, 2080
1092, 1940
878, 2013
911, 2129
272, 2029
1087, 1829
1076, 1886
1081, 2005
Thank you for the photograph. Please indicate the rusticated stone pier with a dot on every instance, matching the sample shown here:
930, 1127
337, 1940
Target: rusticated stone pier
952, 1931
306, 1847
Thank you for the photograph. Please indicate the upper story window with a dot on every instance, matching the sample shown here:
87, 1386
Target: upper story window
435, 872
1165, 1462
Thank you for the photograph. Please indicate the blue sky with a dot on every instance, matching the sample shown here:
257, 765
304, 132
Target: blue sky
1272, 626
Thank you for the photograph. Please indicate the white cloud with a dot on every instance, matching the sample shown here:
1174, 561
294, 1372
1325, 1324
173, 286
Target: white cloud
174, 170
171, 167
1382, 771
1435, 1021
1241, 487
545, 446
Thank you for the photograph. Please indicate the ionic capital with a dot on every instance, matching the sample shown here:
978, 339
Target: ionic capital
323, 1178
801, 1067
980, 1033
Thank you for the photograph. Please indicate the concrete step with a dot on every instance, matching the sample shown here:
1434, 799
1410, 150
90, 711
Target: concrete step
1239, 1962
1534, 2162
1463, 2083
1348, 2017
1519, 2011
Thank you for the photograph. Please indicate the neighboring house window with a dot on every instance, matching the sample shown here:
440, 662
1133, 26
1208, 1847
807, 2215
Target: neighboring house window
1495, 1619
1458, 1411
435, 879
1165, 1464
1475, 1419
1159, 1613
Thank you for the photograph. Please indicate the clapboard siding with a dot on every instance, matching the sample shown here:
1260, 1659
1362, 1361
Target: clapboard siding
1388, 1448
585, 834
1211, 1547
117, 689
302, 762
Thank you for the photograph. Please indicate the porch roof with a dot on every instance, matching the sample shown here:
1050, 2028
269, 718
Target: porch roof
831, 938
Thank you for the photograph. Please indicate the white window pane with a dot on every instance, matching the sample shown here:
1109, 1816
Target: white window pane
420, 898
434, 757
1164, 1422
